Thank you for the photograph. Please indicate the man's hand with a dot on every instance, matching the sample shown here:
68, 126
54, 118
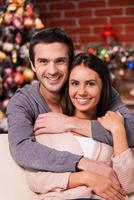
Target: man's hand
97, 167
54, 122
51, 122
99, 184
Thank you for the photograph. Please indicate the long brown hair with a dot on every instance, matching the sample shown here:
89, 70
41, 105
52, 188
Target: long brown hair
96, 64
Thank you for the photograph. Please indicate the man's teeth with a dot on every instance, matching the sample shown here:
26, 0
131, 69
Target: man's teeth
53, 78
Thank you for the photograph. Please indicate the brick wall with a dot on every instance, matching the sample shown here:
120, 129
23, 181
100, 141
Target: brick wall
84, 20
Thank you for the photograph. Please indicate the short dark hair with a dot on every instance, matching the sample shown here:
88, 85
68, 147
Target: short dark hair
51, 35
96, 64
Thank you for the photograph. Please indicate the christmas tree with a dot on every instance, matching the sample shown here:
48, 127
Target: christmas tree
18, 21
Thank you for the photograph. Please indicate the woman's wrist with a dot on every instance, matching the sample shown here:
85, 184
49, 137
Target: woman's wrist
77, 179
80, 126
120, 143
90, 178
117, 130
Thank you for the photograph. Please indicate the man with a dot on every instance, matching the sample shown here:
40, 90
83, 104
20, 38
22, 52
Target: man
51, 53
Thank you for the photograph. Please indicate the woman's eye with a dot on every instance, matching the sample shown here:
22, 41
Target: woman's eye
91, 83
74, 83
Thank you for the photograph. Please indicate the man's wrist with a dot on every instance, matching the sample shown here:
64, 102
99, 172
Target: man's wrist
82, 165
80, 126
77, 169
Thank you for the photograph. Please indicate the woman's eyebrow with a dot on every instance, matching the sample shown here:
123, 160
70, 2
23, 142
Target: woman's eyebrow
73, 80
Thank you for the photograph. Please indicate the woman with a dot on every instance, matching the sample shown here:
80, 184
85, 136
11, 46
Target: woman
89, 90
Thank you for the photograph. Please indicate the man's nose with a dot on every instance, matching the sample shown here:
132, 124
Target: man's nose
52, 69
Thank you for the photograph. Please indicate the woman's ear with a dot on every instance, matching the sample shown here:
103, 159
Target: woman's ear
33, 68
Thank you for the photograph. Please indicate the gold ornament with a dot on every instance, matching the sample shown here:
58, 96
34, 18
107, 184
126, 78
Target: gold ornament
19, 2
1, 115
38, 23
14, 56
12, 7
1, 18
20, 11
28, 74
2, 56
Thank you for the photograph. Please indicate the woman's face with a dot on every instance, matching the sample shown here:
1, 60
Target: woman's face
85, 87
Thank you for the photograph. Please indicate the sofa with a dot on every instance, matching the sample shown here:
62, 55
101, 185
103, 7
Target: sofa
13, 184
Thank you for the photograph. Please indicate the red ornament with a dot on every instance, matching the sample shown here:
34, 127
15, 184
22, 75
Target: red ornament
9, 80
29, 10
18, 21
18, 38
4, 103
8, 71
19, 78
28, 22
108, 35
91, 50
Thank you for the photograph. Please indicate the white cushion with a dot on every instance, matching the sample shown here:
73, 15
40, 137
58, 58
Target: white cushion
13, 184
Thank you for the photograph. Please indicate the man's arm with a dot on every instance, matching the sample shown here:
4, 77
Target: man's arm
100, 185
25, 150
87, 128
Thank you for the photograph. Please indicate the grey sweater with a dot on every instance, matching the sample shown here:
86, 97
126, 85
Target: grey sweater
23, 110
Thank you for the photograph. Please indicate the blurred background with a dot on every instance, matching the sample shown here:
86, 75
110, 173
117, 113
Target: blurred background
101, 27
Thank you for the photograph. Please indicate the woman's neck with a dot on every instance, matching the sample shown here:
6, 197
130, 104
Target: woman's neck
86, 115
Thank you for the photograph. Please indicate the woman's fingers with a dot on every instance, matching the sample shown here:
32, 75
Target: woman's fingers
118, 188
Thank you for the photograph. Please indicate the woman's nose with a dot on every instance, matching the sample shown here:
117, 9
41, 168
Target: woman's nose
82, 90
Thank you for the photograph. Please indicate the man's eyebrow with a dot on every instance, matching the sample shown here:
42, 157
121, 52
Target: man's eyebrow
42, 59
64, 58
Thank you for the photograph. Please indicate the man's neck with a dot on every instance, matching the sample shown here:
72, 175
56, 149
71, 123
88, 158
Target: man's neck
52, 99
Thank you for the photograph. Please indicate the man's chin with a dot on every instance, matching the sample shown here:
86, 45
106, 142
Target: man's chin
54, 90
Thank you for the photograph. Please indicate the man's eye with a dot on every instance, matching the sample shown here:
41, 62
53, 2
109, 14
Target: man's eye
60, 61
44, 62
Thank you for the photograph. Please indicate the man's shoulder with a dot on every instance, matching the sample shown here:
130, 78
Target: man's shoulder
114, 92
28, 89
24, 95
28, 99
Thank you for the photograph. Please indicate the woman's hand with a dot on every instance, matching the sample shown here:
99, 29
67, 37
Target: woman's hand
112, 121
104, 187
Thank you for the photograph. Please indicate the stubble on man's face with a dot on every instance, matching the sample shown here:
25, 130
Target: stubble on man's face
51, 66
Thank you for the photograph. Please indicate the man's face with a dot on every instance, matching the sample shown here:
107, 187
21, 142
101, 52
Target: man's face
51, 65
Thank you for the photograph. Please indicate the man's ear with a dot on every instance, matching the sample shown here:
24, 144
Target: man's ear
33, 68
